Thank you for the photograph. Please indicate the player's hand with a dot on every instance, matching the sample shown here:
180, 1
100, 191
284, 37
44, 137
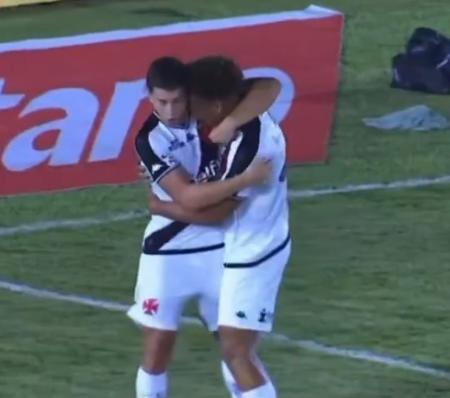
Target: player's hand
143, 172
223, 133
258, 172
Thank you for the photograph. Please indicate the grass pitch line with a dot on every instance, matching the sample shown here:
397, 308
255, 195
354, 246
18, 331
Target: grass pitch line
377, 186
362, 355
76, 223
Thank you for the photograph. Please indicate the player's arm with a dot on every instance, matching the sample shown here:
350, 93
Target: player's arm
211, 215
167, 173
258, 96
199, 196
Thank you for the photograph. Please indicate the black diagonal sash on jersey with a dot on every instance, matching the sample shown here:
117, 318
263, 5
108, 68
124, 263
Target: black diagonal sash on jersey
247, 150
157, 165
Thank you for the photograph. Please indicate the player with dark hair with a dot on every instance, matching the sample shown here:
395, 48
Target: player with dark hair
183, 259
257, 240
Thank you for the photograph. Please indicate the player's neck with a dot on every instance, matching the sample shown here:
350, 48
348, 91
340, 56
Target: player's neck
175, 123
179, 124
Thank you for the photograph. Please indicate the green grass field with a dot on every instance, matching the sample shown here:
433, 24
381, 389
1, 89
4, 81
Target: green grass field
369, 270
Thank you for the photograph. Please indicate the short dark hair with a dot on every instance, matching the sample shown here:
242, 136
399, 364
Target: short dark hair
215, 78
168, 73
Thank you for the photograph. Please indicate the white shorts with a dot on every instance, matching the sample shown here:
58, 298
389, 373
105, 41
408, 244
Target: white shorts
248, 295
166, 282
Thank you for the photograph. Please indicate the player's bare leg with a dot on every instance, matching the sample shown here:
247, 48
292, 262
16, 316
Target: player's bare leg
151, 381
239, 352
228, 378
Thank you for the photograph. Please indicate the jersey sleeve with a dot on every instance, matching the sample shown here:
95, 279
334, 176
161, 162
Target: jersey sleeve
153, 150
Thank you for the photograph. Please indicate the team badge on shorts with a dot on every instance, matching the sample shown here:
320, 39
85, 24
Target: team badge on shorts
150, 306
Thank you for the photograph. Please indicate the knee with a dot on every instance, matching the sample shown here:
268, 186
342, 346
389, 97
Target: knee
234, 345
158, 347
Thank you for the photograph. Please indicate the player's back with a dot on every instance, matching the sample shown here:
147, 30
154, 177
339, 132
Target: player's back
163, 149
260, 226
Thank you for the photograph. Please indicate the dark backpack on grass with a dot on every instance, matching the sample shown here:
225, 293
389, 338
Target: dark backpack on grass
425, 66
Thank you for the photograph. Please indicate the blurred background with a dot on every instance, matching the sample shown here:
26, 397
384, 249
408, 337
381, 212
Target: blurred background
369, 271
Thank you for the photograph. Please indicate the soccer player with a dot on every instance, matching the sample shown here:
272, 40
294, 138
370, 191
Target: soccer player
257, 240
179, 260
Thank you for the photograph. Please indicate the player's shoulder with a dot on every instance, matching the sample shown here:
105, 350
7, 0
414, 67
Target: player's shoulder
150, 125
152, 134
261, 122
270, 130
267, 121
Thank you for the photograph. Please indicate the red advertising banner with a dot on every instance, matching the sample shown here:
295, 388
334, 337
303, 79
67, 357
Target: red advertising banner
70, 107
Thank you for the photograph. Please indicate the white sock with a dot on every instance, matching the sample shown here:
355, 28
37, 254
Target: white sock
265, 391
229, 381
151, 386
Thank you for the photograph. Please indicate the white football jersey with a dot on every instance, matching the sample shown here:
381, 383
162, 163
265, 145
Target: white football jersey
259, 228
162, 149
